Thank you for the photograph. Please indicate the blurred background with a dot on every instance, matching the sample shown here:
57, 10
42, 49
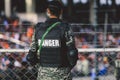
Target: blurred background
95, 23
75, 11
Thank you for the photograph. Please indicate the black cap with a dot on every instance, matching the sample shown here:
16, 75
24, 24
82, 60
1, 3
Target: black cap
55, 4
55, 7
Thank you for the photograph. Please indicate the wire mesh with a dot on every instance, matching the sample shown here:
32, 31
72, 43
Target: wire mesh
13, 65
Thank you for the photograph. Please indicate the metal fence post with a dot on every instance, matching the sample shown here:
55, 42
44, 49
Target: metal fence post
95, 38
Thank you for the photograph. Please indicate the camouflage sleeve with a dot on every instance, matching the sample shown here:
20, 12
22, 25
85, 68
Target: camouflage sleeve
34, 45
70, 42
32, 54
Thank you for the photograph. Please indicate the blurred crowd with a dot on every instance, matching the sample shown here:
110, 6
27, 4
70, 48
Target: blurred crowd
13, 32
14, 29
85, 38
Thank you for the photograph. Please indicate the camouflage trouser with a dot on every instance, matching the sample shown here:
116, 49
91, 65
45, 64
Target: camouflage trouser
48, 73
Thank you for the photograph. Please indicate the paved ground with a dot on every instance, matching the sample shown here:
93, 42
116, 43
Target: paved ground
108, 77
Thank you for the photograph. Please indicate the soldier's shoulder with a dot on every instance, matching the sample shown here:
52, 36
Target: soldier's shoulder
66, 25
39, 24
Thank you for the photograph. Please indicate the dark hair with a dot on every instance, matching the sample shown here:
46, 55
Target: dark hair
55, 7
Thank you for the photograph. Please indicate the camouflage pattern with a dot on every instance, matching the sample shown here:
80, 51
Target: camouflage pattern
49, 73
117, 69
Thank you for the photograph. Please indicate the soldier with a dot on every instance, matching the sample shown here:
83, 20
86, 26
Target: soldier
58, 54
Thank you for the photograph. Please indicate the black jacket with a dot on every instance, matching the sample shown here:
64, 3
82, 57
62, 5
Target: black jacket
72, 52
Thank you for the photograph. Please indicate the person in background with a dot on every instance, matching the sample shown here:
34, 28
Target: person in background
82, 66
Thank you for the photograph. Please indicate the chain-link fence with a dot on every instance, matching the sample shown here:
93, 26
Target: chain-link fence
94, 65
13, 64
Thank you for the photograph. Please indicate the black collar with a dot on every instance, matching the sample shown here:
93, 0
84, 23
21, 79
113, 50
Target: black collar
52, 20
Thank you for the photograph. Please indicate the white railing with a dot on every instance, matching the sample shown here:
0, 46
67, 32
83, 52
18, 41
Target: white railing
13, 40
79, 50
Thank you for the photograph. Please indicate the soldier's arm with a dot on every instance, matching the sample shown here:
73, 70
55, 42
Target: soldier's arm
34, 44
32, 54
70, 42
